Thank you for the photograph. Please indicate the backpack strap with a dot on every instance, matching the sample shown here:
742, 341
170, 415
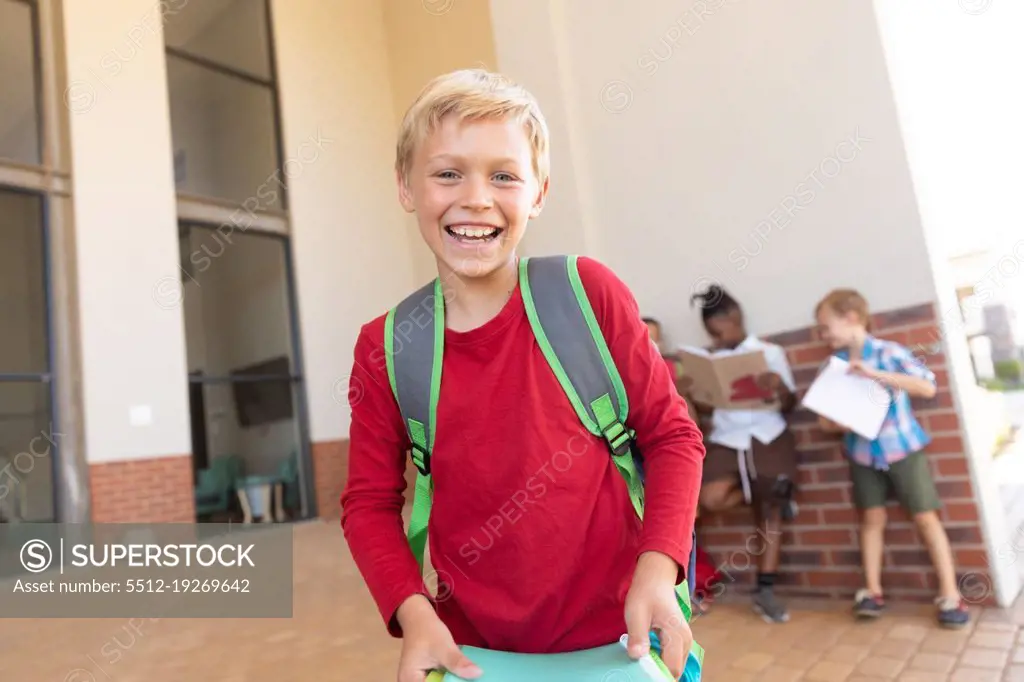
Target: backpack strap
566, 329
413, 348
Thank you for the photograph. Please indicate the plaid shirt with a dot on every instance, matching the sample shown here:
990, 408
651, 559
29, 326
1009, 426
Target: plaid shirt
901, 434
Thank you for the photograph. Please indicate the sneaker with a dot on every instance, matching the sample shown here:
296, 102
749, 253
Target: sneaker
953, 613
867, 605
768, 607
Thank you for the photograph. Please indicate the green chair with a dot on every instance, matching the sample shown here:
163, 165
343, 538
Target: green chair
215, 485
288, 475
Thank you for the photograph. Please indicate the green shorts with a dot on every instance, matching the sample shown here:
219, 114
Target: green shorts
909, 478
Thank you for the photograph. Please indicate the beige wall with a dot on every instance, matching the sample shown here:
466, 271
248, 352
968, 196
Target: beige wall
949, 69
709, 145
133, 349
351, 246
426, 39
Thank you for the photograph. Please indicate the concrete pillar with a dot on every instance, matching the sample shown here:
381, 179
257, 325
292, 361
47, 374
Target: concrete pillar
136, 417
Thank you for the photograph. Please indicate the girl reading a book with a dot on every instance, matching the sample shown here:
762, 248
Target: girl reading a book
751, 453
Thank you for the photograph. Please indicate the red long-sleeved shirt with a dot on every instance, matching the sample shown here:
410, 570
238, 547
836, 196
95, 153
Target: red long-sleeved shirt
531, 529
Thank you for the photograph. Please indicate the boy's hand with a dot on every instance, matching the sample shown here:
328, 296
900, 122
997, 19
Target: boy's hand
428, 645
651, 605
858, 367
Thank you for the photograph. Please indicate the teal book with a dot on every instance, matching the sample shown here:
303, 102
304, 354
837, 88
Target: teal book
608, 663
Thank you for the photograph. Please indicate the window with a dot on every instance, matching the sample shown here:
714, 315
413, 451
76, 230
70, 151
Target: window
224, 119
27, 435
20, 138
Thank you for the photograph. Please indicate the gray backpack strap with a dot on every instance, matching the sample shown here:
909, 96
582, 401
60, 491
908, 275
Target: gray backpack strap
567, 331
414, 348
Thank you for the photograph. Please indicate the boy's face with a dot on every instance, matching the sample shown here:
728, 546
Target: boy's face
839, 331
473, 189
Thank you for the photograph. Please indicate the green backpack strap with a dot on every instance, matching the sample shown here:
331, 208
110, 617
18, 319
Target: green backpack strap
413, 351
567, 331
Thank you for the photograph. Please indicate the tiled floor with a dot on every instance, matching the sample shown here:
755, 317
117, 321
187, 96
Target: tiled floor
335, 635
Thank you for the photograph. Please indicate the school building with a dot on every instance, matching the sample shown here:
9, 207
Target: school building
198, 212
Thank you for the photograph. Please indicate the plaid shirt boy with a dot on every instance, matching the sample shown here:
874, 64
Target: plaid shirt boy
901, 434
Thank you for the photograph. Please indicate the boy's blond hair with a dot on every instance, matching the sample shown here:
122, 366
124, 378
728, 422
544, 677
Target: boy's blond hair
473, 95
843, 301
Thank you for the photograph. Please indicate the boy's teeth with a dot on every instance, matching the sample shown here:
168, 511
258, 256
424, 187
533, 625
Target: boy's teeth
469, 232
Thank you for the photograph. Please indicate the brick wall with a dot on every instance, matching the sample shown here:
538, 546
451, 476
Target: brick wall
820, 551
330, 469
152, 490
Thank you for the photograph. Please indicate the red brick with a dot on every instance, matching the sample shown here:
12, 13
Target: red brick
330, 467
806, 355
901, 337
150, 490
832, 473
852, 579
845, 557
909, 557
967, 535
954, 490
941, 378
926, 334
955, 465
805, 477
946, 445
970, 558
803, 558
902, 317
832, 495
723, 538
840, 516
960, 511
827, 537
896, 514
905, 579
900, 536
943, 421
820, 454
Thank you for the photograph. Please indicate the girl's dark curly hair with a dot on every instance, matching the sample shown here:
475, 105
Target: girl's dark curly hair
715, 301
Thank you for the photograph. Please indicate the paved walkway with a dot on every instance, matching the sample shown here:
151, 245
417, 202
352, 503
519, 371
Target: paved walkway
335, 635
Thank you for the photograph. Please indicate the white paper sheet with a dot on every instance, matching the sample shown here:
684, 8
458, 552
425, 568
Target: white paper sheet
856, 402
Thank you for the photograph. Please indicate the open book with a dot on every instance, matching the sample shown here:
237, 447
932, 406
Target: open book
727, 379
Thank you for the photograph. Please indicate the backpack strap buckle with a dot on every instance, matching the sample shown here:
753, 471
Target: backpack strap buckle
619, 437
421, 459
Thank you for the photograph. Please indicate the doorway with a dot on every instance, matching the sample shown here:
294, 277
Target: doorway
251, 454
28, 434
